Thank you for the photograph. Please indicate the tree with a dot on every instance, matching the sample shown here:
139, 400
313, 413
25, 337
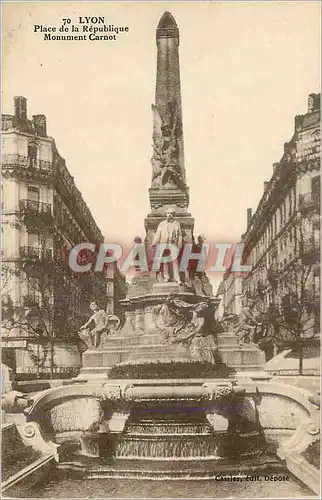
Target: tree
52, 300
293, 313
41, 298
37, 313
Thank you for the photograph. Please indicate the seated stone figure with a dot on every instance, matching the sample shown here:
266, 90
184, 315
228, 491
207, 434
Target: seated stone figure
245, 328
103, 324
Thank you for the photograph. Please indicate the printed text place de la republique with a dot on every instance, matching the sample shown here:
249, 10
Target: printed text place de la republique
105, 28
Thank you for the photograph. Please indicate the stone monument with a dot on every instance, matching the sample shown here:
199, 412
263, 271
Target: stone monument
169, 316
161, 397
168, 186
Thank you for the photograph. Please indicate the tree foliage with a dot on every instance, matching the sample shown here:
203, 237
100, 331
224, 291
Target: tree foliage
290, 317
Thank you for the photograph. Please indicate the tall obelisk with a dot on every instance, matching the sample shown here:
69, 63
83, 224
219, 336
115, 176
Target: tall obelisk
168, 187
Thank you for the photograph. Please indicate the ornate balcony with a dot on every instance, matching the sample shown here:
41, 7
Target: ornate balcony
36, 254
37, 215
33, 206
309, 202
11, 161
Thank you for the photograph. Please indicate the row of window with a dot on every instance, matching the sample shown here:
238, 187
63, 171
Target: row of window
67, 223
279, 219
77, 200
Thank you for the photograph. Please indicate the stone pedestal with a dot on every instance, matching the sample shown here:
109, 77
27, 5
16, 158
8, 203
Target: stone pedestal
143, 341
150, 346
243, 357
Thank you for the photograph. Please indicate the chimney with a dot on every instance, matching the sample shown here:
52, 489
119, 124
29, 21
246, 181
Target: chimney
20, 104
266, 183
249, 216
313, 102
298, 120
40, 126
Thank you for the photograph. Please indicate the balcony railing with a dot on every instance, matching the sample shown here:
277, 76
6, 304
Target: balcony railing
10, 161
36, 253
309, 201
35, 206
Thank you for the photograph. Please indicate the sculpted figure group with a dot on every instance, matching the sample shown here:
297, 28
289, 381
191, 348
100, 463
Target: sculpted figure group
188, 324
245, 326
165, 159
169, 232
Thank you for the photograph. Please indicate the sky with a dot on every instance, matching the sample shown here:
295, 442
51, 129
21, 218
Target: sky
247, 69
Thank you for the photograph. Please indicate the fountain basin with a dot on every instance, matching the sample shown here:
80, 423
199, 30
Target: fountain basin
212, 422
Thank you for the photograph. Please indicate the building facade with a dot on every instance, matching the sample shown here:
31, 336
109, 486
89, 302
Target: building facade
44, 216
282, 240
283, 234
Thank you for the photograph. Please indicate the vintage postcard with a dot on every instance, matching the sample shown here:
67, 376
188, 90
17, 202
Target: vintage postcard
160, 249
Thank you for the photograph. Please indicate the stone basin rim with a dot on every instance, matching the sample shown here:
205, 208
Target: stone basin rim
132, 390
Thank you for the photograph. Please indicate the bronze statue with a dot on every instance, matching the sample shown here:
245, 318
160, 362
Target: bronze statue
169, 231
